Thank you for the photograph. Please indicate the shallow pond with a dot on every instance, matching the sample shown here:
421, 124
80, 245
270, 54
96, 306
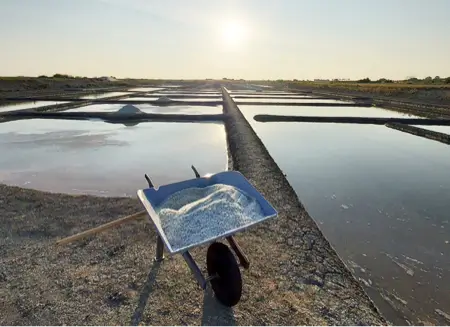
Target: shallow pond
174, 99
167, 85
29, 105
105, 95
165, 93
381, 197
288, 100
148, 108
251, 111
145, 89
92, 157
261, 93
276, 95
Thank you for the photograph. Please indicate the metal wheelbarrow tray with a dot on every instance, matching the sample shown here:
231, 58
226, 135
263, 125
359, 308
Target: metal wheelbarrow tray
223, 269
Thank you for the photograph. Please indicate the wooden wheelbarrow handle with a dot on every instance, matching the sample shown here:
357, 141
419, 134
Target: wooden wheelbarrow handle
101, 228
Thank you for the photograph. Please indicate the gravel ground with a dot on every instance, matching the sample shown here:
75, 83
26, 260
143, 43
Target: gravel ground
295, 276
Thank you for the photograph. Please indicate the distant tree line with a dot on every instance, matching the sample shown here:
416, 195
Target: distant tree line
429, 80
437, 80
60, 76
411, 80
66, 76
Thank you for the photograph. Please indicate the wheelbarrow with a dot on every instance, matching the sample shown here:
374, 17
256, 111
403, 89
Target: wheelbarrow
224, 273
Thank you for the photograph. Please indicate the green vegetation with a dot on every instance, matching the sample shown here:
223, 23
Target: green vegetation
414, 81
62, 76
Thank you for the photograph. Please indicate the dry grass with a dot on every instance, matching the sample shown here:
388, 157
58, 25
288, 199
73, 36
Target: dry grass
390, 89
378, 87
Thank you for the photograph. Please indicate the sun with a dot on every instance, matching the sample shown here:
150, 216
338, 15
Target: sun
234, 33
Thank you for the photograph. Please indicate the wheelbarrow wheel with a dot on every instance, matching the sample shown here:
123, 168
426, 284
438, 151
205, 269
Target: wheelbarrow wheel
227, 284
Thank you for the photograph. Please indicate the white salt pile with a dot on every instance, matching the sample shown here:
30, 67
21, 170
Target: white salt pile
128, 109
196, 214
164, 99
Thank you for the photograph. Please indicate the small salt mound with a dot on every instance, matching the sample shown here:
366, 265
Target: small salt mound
128, 109
196, 214
164, 99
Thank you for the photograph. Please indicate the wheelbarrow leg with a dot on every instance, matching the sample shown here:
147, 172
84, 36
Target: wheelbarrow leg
195, 270
159, 242
197, 175
159, 249
243, 260
150, 184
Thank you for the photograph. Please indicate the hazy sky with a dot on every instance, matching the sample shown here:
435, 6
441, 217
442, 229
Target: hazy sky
251, 39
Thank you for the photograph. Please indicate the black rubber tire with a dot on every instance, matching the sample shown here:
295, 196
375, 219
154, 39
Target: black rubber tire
228, 285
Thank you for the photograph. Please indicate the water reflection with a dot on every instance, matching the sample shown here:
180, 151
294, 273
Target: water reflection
168, 93
250, 111
174, 99
148, 108
259, 93
104, 95
381, 197
296, 100
106, 159
29, 105
144, 89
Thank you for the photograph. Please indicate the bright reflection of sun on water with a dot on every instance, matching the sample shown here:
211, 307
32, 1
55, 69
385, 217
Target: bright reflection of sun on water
234, 33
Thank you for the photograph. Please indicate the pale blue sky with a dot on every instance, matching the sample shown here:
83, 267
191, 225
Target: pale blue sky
270, 39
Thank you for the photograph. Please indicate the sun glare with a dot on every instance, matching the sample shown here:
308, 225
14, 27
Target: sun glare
234, 33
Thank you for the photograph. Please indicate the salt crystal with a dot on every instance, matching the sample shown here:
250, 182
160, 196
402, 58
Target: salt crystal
194, 215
